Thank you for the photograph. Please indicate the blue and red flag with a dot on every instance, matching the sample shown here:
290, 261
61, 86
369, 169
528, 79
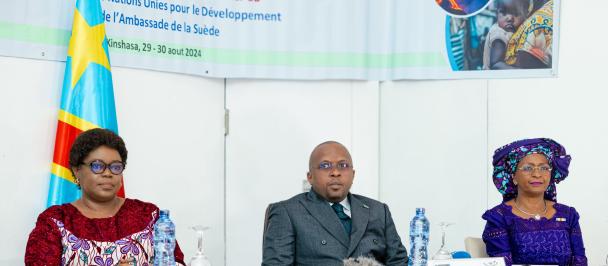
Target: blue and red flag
87, 97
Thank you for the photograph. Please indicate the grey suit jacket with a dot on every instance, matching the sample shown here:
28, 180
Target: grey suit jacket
304, 230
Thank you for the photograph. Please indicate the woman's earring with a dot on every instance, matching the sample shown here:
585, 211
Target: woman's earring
515, 182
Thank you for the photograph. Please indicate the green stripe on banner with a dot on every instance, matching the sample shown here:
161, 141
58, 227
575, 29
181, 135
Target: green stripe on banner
319, 59
45, 35
34, 34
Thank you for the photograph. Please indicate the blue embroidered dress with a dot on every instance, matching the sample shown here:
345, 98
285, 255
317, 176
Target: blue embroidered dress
554, 241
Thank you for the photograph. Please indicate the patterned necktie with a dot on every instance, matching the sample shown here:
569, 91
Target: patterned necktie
344, 219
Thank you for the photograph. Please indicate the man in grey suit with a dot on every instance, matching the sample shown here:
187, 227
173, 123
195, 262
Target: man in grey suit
329, 224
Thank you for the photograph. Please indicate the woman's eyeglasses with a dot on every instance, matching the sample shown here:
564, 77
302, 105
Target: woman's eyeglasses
98, 167
529, 169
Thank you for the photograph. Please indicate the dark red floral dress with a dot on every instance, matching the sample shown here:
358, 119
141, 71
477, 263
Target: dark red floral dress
63, 236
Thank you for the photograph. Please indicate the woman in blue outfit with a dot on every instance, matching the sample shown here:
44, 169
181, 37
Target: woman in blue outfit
530, 226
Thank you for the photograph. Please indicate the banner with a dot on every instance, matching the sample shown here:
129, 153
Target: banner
305, 39
87, 98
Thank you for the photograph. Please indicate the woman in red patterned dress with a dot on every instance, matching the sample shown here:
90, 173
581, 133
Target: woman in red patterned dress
100, 228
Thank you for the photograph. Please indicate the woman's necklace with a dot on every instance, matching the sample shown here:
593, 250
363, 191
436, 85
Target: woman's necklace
536, 216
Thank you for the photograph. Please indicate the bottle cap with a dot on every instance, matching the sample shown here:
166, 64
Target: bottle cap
419, 210
164, 212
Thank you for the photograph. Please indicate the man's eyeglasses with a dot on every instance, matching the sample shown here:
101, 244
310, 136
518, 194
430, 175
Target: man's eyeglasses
529, 169
339, 165
98, 167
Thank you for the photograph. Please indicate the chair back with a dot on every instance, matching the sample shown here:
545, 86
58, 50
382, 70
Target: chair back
476, 247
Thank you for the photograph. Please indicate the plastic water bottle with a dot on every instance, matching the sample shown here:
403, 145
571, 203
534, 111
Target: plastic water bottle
419, 239
164, 240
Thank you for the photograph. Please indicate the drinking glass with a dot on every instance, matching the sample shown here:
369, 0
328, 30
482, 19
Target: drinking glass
443, 253
200, 259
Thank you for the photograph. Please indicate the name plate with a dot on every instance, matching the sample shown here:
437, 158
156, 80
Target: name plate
468, 262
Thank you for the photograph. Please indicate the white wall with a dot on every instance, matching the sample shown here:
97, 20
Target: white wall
415, 143
28, 106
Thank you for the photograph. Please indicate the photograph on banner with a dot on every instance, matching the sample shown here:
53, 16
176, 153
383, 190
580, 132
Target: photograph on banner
462, 7
507, 34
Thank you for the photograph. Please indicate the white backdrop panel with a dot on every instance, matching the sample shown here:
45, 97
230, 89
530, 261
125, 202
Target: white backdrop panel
173, 126
433, 155
274, 125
